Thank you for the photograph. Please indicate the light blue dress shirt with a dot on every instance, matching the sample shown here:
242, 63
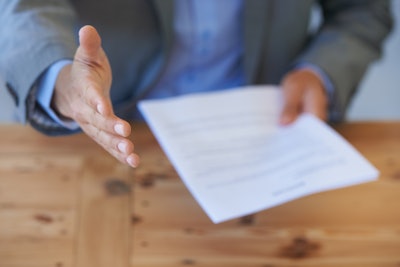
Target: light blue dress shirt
208, 52
45, 93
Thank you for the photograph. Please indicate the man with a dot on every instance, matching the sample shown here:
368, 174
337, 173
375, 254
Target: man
161, 48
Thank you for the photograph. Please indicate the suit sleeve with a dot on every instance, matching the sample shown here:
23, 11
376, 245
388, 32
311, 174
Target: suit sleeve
33, 36
349, 39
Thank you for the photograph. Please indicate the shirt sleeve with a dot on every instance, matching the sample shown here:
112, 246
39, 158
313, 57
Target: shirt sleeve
45, 92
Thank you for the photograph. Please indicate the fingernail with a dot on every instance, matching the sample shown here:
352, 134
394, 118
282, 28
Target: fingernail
119, 129
123, 147
132, 161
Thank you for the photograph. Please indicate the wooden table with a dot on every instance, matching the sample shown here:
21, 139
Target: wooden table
65, 202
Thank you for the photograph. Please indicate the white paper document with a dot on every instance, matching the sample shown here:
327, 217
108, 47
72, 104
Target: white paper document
235, 159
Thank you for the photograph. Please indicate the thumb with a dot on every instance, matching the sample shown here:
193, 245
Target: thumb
291, 108
92, 66
89, 44
292, 96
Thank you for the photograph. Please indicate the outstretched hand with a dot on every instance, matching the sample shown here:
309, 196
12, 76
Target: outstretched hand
82, 94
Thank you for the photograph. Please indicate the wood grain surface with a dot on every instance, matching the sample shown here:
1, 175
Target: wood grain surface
65, 202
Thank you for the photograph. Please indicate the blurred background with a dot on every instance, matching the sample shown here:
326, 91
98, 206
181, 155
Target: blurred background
378, 97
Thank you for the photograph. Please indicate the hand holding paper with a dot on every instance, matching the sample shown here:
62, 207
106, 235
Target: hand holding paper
235, 159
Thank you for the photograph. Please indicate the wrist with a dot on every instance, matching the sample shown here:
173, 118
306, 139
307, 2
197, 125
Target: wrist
59, 100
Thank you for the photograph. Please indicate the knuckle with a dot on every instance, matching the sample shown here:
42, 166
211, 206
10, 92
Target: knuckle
77, 115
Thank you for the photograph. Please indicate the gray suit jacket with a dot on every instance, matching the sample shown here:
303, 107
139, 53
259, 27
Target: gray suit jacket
35, 34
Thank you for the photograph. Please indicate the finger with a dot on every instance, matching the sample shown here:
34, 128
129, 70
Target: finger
100, 113
86, 113
104, 118
122, 128
95, 98
110, 123
93, 70
92, 59
316, 102
107, 140
119, 148
291, 108
133, 160
90, 43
